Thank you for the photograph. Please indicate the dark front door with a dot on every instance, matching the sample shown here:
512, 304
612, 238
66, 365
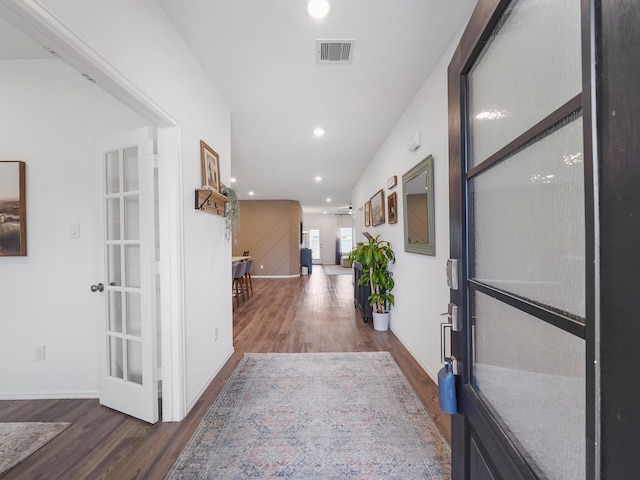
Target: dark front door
521, 196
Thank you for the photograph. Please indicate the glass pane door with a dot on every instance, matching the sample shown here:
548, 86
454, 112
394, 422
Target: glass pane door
315, 245
523, 244
127, 201
122, 246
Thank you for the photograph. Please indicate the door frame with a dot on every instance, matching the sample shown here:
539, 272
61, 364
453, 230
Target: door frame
37, 22
617, 107
483, 21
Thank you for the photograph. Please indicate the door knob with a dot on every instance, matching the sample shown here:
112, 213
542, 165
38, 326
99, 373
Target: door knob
97, 288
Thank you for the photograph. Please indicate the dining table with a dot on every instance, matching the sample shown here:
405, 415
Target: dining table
239, 259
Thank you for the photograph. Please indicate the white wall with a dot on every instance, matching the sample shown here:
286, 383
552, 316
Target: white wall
139, 41
420, 293
51, 118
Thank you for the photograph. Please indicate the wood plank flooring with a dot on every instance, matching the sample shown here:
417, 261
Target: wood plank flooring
311, 313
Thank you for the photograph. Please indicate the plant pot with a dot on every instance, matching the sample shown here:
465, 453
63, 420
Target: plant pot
381, 321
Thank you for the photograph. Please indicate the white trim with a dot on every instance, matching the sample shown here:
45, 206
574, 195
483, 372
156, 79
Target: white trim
210, 379
34, 19
171, 231
54, 395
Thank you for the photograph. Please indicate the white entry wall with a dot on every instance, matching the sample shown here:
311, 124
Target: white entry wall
149, 54
421, 293
45, 297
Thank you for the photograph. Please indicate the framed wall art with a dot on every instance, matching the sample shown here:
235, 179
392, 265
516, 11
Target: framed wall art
210, 167
13, 211
367, 214
392, 208
377, 208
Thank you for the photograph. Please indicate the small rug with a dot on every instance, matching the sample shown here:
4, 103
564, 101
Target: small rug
316, 416
19, 440
336, 270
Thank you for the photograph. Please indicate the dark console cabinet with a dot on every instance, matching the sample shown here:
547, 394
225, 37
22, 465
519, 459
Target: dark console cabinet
361, 294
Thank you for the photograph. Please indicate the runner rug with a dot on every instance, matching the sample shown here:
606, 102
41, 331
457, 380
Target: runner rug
19, 440
316, 416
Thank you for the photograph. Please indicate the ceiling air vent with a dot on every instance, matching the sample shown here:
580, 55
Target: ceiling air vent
334, 51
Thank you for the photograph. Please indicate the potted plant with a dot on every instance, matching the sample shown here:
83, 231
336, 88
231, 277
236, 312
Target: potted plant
375, 255
232, 212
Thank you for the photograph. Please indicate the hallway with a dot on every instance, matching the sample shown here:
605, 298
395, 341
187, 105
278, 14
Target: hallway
311, 313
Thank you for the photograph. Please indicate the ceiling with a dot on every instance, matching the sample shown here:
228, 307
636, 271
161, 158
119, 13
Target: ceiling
261, 56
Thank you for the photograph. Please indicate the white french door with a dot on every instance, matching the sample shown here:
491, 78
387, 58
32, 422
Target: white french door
315, 244
127, 247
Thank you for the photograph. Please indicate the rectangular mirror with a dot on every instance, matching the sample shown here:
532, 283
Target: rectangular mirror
419, 211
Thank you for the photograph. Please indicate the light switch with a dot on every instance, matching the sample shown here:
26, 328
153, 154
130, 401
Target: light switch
74, 230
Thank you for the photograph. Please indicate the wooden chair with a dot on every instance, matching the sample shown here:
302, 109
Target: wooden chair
247, 276
238, 282
234, 266
245, 253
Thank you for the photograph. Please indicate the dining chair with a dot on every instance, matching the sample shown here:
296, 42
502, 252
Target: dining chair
238, 281
245, 253
247, 276
234, 267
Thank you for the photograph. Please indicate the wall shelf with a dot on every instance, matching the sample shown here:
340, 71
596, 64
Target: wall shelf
210, 201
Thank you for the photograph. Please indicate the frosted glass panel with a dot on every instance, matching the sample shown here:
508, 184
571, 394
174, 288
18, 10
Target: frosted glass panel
130, 156
531, 376
115, 311
132, 265
113, 219
529, 222
115, 357
134, 362
131, 218
115, 266
112, 167
134, 315
530, 67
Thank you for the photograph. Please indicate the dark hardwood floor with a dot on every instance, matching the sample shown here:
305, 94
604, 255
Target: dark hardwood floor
311, 313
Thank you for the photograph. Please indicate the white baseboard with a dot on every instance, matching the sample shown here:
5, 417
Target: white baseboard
209, 380
48, 395
427, 371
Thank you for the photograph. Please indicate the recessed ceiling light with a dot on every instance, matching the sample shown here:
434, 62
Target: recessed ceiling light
233, 180
328, 199
318, 132
325, 212
251, 193
318, 179
318, 8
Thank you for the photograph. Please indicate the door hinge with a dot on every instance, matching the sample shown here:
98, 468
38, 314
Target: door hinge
157, 268
156, 159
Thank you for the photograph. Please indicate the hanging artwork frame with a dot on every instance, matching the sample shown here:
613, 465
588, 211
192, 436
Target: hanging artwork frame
13, 209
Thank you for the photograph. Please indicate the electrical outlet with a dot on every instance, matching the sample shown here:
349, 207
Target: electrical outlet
261, 267
215, 334
39, 353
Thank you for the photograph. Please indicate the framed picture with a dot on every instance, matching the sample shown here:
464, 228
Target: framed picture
13, 211
377, 208
367, 214
392, 182
210, 167
392, 208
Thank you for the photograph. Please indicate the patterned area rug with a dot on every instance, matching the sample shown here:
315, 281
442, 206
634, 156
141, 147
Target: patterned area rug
21, 439
316, 416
